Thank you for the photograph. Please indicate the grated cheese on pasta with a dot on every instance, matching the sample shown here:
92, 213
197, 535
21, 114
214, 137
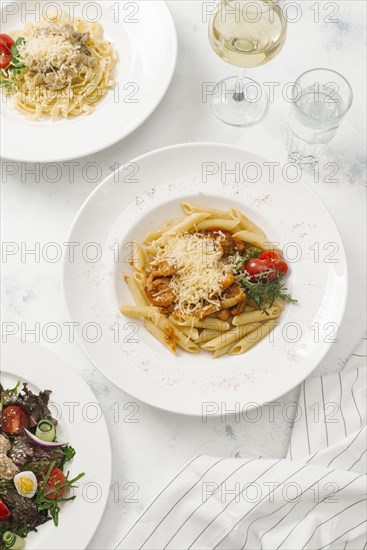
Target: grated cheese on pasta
54, 47
200, 270
56, 54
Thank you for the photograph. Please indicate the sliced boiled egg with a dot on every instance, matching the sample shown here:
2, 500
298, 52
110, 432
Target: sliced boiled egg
26, 484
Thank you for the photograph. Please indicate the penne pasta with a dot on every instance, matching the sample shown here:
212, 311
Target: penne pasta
207, 334
186, 224
139, 278
173, 332
252, 338
251, 305
188, 282
190, 332
138, 257
167, 341
189, 208
138, 295
246, 224
138, 311
255, 316
154, 234
150, 250
222, 351
141, 300
254, 239
209, 322
227, 225
229, 337
153, 314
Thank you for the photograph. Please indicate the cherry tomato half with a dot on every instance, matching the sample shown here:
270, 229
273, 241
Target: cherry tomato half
6, 42
269, 255
13, 420
277, 261
256, 266
57, 478
5, 59
281, 266
4, 511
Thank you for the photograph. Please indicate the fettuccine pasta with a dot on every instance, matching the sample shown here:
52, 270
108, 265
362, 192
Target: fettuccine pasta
59, 69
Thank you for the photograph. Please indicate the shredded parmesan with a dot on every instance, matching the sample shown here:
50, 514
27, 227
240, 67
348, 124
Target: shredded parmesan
200, 270
54, 47
56, 54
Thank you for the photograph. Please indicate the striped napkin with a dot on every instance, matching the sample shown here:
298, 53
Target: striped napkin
313, 499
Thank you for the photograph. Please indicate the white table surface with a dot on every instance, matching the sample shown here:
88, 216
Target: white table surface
148, 452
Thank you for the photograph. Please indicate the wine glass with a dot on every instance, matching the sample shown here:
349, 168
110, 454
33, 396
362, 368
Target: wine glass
245, 33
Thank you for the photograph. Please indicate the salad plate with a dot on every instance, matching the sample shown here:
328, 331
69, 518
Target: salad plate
222, 177
144, 63
77, 426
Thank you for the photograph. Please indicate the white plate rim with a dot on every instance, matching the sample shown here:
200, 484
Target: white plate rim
182, 146
16, 344
113, 141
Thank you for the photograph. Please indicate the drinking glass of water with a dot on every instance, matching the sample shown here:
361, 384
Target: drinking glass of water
321, 98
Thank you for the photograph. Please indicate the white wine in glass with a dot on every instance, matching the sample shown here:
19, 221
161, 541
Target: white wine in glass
245, 33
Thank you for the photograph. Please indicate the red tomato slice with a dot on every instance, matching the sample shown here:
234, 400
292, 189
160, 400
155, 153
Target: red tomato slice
4, 511
13, 420
281, 266
256, 266
276, 259
57, 478
6, 42
269, 255
5, 59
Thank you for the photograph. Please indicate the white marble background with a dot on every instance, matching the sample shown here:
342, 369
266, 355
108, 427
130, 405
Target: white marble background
147, 453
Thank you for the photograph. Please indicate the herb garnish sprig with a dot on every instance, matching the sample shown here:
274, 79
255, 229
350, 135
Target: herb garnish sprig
264, 292
15, 67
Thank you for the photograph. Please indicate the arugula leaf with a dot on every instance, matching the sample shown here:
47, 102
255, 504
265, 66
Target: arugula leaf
43, 500
9, 396
14, 50
5, 82
264, 293
18, 64
68, 451
16, 388
19, 41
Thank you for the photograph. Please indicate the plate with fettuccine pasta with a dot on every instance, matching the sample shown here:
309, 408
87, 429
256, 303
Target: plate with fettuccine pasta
67, 70
198, 286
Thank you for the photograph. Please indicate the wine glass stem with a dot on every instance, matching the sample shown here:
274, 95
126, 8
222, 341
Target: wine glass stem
239, 94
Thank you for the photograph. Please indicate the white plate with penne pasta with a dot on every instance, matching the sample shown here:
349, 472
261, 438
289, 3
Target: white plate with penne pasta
202, 279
